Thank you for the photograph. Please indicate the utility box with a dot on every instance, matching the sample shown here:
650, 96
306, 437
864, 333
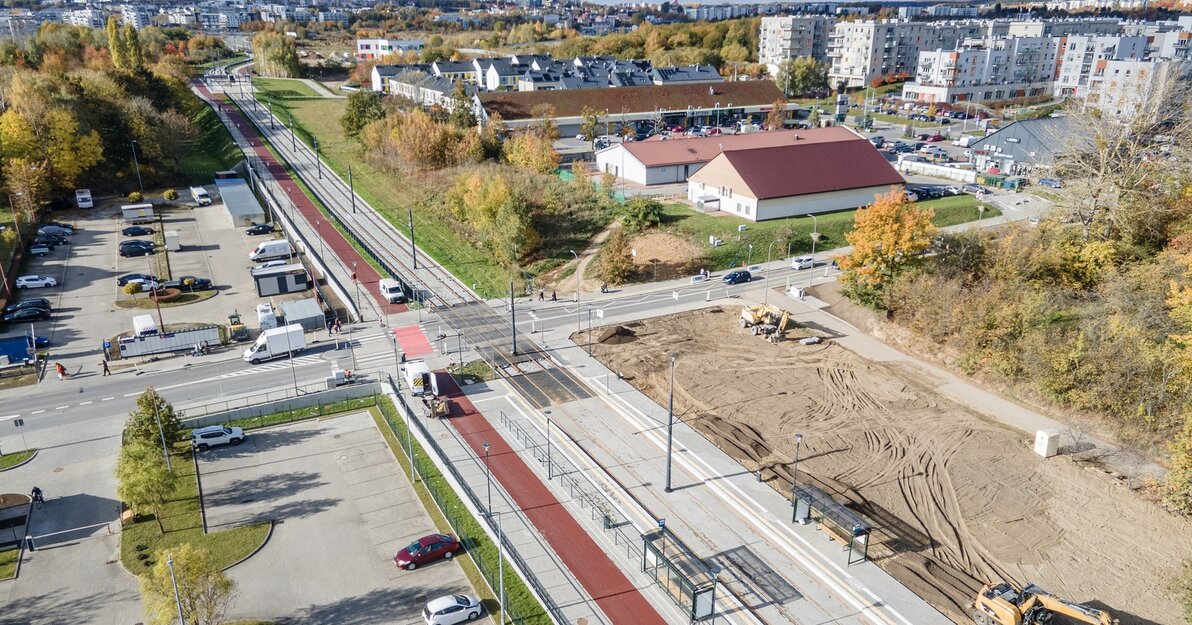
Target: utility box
172, 240
1047, 443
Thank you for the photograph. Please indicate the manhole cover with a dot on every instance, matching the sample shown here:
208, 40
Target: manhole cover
58, 470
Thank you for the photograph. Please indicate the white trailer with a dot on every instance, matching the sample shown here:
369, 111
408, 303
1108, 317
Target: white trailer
138, 213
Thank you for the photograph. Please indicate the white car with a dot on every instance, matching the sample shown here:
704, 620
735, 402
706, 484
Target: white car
35, 282
146, 285
452, 609
802, 262
212, 435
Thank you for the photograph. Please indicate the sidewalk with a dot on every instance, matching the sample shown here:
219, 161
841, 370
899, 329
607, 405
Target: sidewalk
247, 138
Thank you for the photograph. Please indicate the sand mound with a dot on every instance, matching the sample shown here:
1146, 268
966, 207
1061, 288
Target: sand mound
616, 335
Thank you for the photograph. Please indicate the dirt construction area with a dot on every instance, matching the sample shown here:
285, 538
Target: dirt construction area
955, 499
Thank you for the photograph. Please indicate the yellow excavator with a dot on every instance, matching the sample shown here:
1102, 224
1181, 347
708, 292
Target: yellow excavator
770, 322
1003, 603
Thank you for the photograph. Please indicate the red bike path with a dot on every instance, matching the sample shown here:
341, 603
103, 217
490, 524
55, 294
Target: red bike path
617, 597
332, 239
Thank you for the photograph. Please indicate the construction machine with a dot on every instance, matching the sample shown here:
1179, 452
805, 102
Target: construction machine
1003, 603
764, 320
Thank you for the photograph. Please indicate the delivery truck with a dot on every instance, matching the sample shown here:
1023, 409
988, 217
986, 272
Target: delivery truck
138, 213
421, 379
275, 343
271, 250
83, 198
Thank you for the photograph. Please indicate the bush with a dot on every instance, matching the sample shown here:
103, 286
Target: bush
170, 195
136, 196
165, 295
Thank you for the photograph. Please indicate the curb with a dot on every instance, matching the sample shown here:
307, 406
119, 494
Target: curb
268, 536
23, 462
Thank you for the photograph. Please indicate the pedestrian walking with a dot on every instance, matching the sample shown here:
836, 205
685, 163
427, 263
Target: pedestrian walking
37, 497
104, 364
541, 296
338, 326
553, 297
61, 370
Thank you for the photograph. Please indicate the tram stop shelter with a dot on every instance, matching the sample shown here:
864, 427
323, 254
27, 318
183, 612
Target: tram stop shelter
841, 524
689, 582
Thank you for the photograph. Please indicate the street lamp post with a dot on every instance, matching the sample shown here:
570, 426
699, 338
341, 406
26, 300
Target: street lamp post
795, 468
577, 276
138, 166
319, 232
174, 583
769, 270
351, 189
749, 257
165, 449
488, 476
318, 161
814, 232
501, 561
670, 422
549, 467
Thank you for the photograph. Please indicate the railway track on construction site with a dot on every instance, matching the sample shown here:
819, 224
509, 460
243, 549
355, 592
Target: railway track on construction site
529, 368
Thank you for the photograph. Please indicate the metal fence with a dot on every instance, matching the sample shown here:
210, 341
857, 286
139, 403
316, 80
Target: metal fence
462, 522
315, 404
249, 401
625, 536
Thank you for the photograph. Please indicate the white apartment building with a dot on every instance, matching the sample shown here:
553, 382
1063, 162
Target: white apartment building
983, 70
1065, 27
863, 50
367, 49
1085, 55
138, 16
91, 18
1173, 45
792, 36
181, 16
1120, 89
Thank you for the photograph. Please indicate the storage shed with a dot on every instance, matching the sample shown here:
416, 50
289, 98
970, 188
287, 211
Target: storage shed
305, 312
290, 278
243, 207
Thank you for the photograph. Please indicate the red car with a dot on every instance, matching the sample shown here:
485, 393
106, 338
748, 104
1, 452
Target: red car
935, 138
678, 129
426, 549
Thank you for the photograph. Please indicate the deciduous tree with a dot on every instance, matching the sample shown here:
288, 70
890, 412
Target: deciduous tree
205, 593
142, 479
776, 120
800, 75
887, 236
531, 151
590, 124
616, 263
362, 108
152, 408
641, 212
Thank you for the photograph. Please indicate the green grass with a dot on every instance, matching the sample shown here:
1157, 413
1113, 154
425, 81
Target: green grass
7, 461
214, 151
147, 303
795, 231
393, 194
183, 523
517, 596
16, 381
8, 563
283, 88
199, 68
308, 412
476, 370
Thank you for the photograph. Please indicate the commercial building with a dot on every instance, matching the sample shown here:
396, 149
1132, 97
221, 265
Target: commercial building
792, 36
661, 160
1024, 148
798, 179
983, 70
243, 207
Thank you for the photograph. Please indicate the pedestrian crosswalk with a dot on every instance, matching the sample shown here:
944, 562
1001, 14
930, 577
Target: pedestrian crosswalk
299, 361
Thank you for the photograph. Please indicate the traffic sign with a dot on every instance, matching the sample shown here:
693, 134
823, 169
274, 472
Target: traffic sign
107, 345
662, 523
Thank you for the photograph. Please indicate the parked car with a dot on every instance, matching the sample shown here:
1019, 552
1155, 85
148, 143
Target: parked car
39, 250
126, 278
1050, 182
204, 438
426, 550
877, 141
35, 282
54, 231
136, 231
59, 224
452, 609
137, 247
953, 190
974, 189
146, 285
737, 277
936, 138
50, 240
27, 314
36, 302
188, 284
911, 196
256, 229
802, 262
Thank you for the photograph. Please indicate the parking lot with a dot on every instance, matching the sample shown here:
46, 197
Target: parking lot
84, 302
343, 509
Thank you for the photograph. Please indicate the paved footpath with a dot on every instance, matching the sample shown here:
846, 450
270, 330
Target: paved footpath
247, 138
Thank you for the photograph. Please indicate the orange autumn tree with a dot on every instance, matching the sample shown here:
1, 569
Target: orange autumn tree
887, 236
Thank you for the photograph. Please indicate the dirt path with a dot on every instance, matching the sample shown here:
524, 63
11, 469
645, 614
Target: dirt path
956, 499
585, 259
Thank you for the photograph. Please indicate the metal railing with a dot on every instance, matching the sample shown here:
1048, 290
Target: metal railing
288, 392
589, 497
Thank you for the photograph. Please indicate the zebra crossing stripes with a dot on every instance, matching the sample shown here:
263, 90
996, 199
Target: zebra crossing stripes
299, 361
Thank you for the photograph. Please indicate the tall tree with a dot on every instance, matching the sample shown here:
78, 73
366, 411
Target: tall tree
547, 127
799, 75
116, 45
205, 593
531, 151
142, 479
616, 262
362, 108
462, 116
132, 48
589, 125
143, 421
640, 213
776, 120
887, 236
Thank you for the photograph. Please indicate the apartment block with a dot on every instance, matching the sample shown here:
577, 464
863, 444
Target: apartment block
982, 70
1065, 27
1125, 88
792, 36
863, 50
1086, 55
92, 18
369, 49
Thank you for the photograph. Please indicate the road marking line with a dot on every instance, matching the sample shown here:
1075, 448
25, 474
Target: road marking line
62, 407
37, 412
131, 394
107, 399
84, 403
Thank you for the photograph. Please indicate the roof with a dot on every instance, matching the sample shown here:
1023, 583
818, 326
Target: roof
656, 152
1048, 131
279, 270
301, 309
515, 105
805, 168
238, 197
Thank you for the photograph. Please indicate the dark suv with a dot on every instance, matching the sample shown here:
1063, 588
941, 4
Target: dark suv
736, 277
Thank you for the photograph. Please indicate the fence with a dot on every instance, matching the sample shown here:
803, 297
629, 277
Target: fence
938, 171
261, 404
462, 522
629, 543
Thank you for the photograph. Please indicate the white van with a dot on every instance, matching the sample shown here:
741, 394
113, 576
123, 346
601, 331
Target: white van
199, 195
269, 250
392, 292
965, 141
83, 198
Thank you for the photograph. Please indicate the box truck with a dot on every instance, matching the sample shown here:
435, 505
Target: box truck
421, 379
275, 343
138, 213
271, 250
143, 325
83, 198
199, 195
